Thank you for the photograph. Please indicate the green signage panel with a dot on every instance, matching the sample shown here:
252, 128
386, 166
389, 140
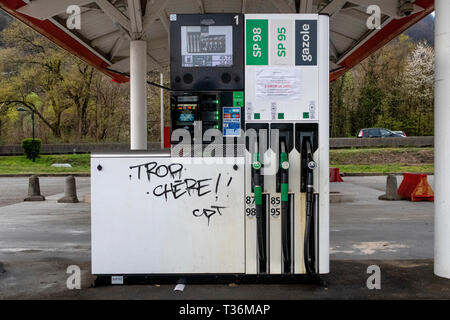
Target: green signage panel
257, 42
238, 98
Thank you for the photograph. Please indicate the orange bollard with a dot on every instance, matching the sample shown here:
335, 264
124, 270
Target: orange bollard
415, 187
335, 176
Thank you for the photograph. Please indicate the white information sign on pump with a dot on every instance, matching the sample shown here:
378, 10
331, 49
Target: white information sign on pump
278, 84
281, 67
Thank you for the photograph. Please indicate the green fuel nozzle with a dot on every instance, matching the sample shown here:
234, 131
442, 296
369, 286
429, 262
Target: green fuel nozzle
284, 162
284, 175
256, 164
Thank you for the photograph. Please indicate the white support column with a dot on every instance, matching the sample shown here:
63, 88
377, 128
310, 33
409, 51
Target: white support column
138, 95
162, 109
324, 144
442, 140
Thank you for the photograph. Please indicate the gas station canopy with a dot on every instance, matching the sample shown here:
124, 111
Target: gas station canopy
107, 26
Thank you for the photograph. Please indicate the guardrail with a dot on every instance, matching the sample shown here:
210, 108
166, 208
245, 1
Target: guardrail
338, 143
75, 148
335, 143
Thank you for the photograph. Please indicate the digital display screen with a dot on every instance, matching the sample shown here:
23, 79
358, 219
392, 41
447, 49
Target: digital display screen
186, 112
186, 117
188, 98
206, 46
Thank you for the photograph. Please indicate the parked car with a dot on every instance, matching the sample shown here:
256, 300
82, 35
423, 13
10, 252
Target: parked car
379, 133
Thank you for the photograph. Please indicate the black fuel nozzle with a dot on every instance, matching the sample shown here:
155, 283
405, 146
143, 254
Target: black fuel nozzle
310, 165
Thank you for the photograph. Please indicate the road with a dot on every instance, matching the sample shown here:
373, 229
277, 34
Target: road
38, 241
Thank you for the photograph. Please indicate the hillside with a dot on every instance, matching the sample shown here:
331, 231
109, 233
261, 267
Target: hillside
4, 19
423, 30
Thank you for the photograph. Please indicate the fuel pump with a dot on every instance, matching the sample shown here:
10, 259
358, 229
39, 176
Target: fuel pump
254, 211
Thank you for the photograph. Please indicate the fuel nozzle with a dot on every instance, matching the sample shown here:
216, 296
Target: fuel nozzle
310, 166
257, 183
284, 174
284, 160
256, 164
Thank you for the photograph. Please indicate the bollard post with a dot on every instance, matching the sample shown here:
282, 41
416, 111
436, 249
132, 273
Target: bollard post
391, 189
70, 191
34, 190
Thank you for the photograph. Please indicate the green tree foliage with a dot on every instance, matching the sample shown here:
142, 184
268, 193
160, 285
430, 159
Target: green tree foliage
72, 101
393, 88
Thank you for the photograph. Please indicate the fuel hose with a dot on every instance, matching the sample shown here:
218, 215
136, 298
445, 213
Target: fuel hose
310, 165
257, 189
285, 214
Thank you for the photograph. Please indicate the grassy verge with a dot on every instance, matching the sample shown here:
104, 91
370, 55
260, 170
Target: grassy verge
415, 156
373, 160
20, 164
383, 160
383, 168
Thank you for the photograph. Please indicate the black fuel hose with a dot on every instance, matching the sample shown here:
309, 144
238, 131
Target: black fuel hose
308, 260
257, 190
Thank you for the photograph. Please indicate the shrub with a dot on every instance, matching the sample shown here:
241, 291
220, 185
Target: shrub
31, 148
